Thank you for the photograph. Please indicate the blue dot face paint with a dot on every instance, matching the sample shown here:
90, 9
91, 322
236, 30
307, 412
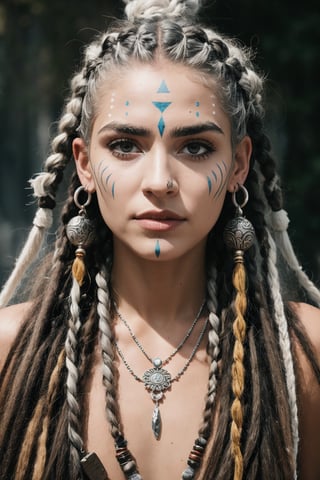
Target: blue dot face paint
127, 103
157, 249
197, 104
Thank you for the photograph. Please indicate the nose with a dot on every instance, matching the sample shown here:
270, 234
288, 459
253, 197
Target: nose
159, 177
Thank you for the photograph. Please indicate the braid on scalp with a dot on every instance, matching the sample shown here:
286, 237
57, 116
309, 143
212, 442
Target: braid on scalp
156, 9
263, 421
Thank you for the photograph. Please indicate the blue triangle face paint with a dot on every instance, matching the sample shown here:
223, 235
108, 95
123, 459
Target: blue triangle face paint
163, 88
162, 106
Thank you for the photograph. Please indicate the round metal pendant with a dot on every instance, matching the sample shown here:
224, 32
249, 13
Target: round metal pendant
157, 379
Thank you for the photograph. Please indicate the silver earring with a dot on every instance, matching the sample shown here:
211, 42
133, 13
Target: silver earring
239, 233
80, 232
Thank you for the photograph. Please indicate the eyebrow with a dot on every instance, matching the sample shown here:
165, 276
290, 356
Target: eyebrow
128, 129
194, 129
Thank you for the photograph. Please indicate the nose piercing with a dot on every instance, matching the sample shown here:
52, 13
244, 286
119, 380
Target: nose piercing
170, 184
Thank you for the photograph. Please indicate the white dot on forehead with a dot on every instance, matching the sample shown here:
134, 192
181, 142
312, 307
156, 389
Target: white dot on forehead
111, 102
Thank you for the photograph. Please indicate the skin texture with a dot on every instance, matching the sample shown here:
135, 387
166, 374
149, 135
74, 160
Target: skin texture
131, 170
159, 261
159, 137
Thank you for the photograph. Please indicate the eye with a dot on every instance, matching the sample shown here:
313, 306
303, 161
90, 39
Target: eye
197, 149
124, 148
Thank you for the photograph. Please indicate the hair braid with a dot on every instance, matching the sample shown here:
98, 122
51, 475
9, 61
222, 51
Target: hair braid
106, 341
278, 218
45, 185
239, 330
278, 351
284, 342
40, 460
254, 387
29, 440
72, 359
285, 246
213, 349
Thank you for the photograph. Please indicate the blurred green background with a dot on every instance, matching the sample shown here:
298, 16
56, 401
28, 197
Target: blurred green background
40, 46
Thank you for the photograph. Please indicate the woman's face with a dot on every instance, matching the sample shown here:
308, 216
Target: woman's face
160, 160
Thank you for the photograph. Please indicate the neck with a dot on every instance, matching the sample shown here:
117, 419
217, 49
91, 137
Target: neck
159, 292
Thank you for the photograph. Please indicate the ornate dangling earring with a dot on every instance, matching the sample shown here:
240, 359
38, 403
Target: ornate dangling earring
80, 232
239, 235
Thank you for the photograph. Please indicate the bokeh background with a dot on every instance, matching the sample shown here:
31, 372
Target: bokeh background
40, 47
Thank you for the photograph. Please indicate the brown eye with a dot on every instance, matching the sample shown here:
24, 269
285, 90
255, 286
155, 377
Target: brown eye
124, 148
197, 149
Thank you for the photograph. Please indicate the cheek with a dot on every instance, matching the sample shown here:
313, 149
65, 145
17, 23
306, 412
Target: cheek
206, 197
105, 179
217, 179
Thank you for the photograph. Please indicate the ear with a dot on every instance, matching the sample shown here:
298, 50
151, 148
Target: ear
241, 163
81, 156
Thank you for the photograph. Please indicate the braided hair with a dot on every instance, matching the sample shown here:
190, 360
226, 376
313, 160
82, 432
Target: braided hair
44, 374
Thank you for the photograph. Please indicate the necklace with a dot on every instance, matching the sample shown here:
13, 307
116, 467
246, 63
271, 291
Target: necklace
176, 350
94, 469
158, 380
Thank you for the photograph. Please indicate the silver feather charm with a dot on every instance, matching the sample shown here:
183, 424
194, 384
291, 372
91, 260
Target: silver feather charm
156, 421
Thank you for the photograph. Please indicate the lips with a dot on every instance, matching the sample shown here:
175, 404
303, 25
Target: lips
159, 215
163, 220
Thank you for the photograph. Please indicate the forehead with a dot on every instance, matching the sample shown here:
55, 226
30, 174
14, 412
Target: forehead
137, 91
162, 77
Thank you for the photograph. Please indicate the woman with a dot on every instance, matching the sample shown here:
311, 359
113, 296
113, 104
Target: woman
157, 341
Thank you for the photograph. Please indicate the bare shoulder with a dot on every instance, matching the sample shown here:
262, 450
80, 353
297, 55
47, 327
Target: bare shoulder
310, 319
11, 319
308, 395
